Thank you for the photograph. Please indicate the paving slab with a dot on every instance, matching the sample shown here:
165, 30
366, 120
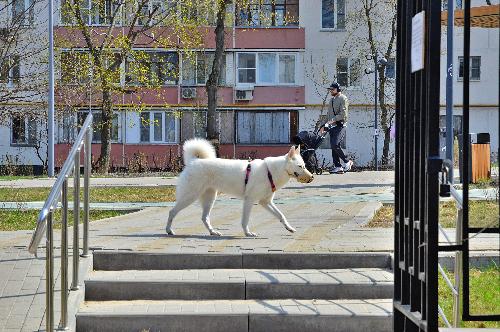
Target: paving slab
235, 316
325, 220
359, 283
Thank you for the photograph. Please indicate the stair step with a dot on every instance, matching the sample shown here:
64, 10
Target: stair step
126, 260
237, 315
240, 284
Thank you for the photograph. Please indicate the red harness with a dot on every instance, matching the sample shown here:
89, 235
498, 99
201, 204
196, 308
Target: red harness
269, 176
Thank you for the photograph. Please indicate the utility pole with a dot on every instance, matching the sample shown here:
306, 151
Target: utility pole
376, 112
50, 113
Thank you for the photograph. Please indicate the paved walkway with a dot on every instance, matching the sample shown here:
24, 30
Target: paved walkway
96, 181
324, 221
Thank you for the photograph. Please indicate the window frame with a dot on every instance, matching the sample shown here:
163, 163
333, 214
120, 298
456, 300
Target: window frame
14, 71
95, 112
335, 17
258, 9
78, 80
461, 63
349, 86
277, 55
393, 60
255, 54
128, 79
206, 54
255, 134
28, 13
164, 116
28, 136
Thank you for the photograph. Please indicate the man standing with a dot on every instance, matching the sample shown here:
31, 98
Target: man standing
337, 116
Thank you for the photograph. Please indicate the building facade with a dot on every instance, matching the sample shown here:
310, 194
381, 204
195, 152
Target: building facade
273, 86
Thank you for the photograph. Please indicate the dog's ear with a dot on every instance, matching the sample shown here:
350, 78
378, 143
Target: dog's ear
297, 150
291, 153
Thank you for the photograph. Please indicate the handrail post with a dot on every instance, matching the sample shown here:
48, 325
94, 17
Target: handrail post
86, 190
76, 219
63, 324
458, 270
49, 275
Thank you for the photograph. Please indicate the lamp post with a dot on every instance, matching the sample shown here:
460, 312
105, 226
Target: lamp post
50, 113
379, 64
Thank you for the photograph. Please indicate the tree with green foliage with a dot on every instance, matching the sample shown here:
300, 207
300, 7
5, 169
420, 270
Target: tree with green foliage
109, 34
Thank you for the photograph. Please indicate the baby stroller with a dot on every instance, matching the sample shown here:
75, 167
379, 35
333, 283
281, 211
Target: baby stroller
309, 142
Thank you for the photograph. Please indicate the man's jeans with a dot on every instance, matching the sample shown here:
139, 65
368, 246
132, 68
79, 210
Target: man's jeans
337, 135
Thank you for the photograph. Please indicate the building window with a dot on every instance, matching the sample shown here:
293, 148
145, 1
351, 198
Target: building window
200, 124
158, 127
22, 12
475, 68
348, 72
333, 14
10, 71
93, 12
286, 69
268, 13
97, 126
75, 67
267, 68
247, 68
196, 70
202, 13
24, 130
390, 68
263, 127
157, 12
67, 128
152, 68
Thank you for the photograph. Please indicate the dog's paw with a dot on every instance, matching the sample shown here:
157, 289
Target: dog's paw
291, 229
215, 233
170, 232
251, 234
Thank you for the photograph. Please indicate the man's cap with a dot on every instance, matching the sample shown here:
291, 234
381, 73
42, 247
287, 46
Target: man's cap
335, 85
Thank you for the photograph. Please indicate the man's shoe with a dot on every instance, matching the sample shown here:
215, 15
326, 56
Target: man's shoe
348, 166
336, 170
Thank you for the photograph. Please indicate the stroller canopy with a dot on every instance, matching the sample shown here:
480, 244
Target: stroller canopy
310, 139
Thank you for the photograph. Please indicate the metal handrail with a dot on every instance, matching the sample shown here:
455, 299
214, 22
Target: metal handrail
455, 288
59, 192
55, 193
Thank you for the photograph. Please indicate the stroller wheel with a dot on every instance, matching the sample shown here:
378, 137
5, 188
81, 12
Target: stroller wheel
319, 171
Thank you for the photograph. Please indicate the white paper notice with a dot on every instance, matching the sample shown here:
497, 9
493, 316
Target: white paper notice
417, 41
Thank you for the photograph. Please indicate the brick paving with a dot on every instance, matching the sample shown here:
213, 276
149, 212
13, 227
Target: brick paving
323, 223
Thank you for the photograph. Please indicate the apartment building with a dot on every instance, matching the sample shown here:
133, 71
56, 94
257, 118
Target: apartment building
273, 86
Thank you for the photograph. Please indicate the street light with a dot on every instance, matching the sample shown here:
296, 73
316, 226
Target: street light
380, 63
50, 112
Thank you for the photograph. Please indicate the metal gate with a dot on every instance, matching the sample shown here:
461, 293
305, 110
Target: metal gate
421, 174
417, 167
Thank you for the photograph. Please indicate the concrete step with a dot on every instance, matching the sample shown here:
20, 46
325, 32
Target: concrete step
126, 260
239, 284
237, 315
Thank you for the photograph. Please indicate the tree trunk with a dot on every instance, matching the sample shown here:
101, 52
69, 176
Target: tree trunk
105, 128
384, 116
213, 80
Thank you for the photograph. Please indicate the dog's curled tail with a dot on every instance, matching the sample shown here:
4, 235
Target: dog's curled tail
197, 148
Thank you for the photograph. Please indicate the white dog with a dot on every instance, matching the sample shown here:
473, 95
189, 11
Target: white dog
204, 175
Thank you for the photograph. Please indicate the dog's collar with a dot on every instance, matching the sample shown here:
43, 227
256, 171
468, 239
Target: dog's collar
269, 175
247, 175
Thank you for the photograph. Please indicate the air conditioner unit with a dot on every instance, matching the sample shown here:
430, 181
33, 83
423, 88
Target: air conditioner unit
243, 95
243, 92
188, 93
